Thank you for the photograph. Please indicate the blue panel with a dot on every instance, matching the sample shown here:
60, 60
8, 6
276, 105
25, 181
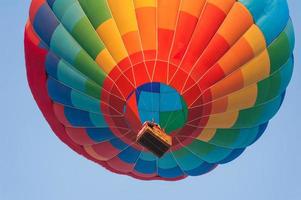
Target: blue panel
202, 169
170, 102
100, 134
234, 154
171, 173
78, 117
146, 167
51, 64
45, 23
150, 87
149, 101
149, 116
262, 129
58, 92
270, 15
129, 155
167, 89
117, 143
270, 109
167, 161
50, 2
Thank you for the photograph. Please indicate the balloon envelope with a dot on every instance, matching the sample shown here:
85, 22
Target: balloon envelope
211, 73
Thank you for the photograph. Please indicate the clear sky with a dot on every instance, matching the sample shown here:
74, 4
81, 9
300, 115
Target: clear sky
36, 165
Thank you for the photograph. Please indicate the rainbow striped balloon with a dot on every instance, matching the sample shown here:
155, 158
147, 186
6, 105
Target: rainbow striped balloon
212, 73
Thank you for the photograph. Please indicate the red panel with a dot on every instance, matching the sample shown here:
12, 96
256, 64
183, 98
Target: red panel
141, 74
125, 64
206, 28
160, 72
177, 81
137, 58
185, 29
79, 136
124, 86
207, 96
195, 113
144, 175
150, 67
165, 38
59, 111
192, 95
214, 75
105, 150
132, 114
215, 50
34, 7
117, 164
150, 55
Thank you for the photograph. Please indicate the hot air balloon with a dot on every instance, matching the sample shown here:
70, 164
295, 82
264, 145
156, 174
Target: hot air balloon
159, 89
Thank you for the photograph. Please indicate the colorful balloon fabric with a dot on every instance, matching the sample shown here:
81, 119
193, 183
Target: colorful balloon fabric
212, 73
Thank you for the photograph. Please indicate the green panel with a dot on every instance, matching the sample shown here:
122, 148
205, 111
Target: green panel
87, 66
200, 148
96, 10
208, 152
249, 117
93, 89
275, 84
279, 52
84, 33
172, 120
263, 87
225, 137
187, 161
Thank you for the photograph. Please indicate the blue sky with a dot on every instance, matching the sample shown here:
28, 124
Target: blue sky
35, 165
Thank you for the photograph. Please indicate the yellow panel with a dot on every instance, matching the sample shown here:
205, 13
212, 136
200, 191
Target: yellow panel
193, 7
224, 120
256, 39
244, 98
257, 69
224, 5
105, 60
145, 3
206, 135
110, 36
124, 15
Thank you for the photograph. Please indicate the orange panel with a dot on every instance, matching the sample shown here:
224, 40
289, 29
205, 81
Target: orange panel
228, 85
131, 42
168, 13
237, 56
238, 21
146, 18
